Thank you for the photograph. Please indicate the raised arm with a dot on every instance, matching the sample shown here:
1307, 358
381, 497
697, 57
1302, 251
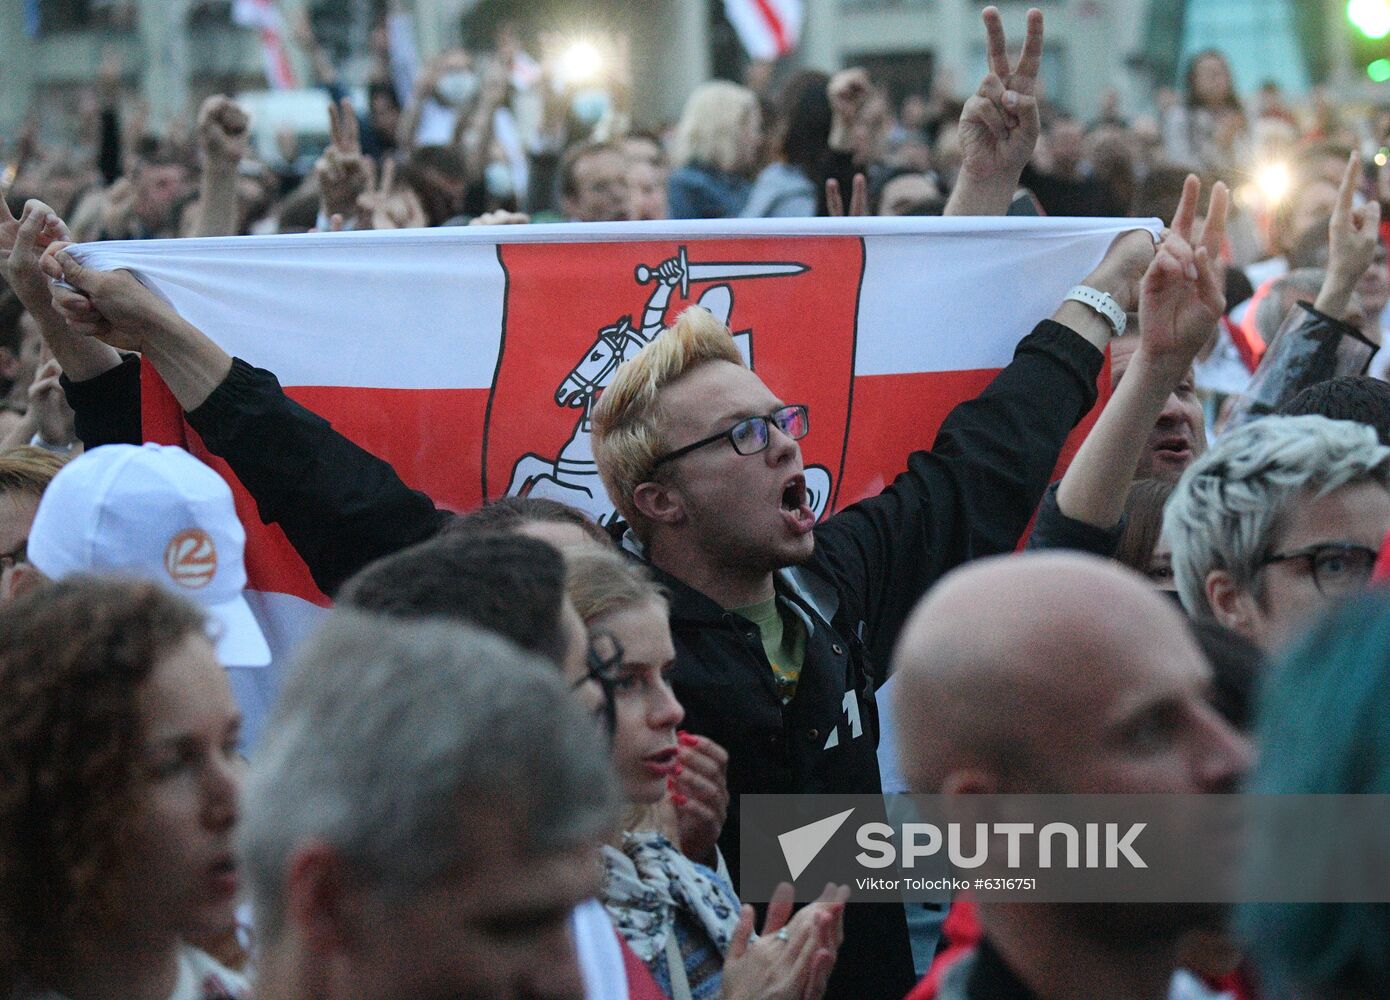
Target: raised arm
22, 243
339, 505
107, 91
848, 91
1352, 237
475, 133
344, 173
222, 144
1180, 302
973, 493
113, 308
308, 42
1319, 342
999, 125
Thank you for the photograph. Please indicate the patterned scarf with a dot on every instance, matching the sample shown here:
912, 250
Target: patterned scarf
649, 881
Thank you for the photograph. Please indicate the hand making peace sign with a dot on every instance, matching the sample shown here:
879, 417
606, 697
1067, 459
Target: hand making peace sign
344, 173
999, 125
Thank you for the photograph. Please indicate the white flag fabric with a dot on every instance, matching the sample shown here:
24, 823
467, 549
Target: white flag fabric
768, 29
264, 17
469, 358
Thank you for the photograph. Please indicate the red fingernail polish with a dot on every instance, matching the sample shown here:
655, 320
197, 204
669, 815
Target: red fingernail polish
678, 798
686, 739
677, 768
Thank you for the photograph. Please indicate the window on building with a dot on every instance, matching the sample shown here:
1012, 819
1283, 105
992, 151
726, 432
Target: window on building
898, 73
1257, 37
343, 27
209, 14
57, 16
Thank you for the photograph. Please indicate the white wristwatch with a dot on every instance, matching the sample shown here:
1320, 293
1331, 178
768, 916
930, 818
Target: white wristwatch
1103, 303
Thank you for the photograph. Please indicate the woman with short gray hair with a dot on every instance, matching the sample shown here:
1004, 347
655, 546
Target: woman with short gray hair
1279, 519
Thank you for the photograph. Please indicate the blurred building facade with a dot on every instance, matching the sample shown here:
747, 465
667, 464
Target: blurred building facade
174, 52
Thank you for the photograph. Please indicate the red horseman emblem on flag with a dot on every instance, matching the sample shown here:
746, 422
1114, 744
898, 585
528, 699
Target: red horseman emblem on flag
575, 314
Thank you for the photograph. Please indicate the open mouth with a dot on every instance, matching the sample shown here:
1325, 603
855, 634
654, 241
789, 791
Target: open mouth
795, 506
794, 493
661, 762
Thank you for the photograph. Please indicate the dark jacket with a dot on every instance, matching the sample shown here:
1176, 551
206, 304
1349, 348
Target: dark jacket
1054, 530
971, 495
700, 191
982, 975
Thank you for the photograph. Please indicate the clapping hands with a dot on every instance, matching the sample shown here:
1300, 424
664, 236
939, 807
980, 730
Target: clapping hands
794, 955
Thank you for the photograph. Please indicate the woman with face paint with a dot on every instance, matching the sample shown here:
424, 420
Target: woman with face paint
679, 916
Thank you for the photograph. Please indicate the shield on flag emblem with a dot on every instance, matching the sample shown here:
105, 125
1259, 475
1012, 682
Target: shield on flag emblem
574, 313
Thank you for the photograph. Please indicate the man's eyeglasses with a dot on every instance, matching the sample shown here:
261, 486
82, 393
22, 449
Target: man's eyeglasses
605, 656
18, 554
1337, 569
752, 435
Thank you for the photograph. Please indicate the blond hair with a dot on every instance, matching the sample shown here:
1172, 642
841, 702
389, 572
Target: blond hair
28, 471
711, 129
603, 581
627, 420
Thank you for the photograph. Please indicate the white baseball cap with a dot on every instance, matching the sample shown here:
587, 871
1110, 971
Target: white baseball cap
155, 512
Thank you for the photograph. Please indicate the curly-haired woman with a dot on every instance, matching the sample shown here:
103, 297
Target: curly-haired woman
119, 780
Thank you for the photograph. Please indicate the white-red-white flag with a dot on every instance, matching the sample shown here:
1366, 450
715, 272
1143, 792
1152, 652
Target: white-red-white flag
467, 357
768, 29
264, 17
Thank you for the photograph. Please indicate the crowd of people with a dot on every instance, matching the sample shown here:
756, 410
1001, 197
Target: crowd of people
510, 763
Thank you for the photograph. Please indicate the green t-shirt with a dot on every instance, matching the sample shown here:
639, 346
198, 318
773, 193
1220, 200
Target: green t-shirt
784, 640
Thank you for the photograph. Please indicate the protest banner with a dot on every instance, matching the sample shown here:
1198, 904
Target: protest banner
470, 358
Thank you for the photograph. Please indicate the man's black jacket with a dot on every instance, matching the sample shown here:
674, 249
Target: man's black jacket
972, 495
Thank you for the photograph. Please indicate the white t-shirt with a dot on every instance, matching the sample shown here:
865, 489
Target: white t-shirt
890, 771
600, 957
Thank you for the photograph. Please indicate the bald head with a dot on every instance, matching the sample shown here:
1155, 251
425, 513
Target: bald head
1055, 672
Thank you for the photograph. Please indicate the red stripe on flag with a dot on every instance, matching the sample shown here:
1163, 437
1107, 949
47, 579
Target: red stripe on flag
278, 67
895, 415
774, 25
271, 562
431, 438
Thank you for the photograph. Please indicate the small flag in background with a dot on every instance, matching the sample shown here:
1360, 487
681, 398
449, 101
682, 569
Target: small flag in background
264, 16
768, 29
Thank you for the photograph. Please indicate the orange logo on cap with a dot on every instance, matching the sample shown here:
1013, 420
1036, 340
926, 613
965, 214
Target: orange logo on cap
191, 558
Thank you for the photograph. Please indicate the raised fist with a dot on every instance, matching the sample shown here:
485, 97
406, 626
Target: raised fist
223, 131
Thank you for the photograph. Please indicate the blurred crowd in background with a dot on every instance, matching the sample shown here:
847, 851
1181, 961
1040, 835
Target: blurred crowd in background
401, 753
500, 135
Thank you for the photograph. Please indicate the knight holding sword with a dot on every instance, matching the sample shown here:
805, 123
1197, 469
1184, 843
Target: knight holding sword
571, 476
